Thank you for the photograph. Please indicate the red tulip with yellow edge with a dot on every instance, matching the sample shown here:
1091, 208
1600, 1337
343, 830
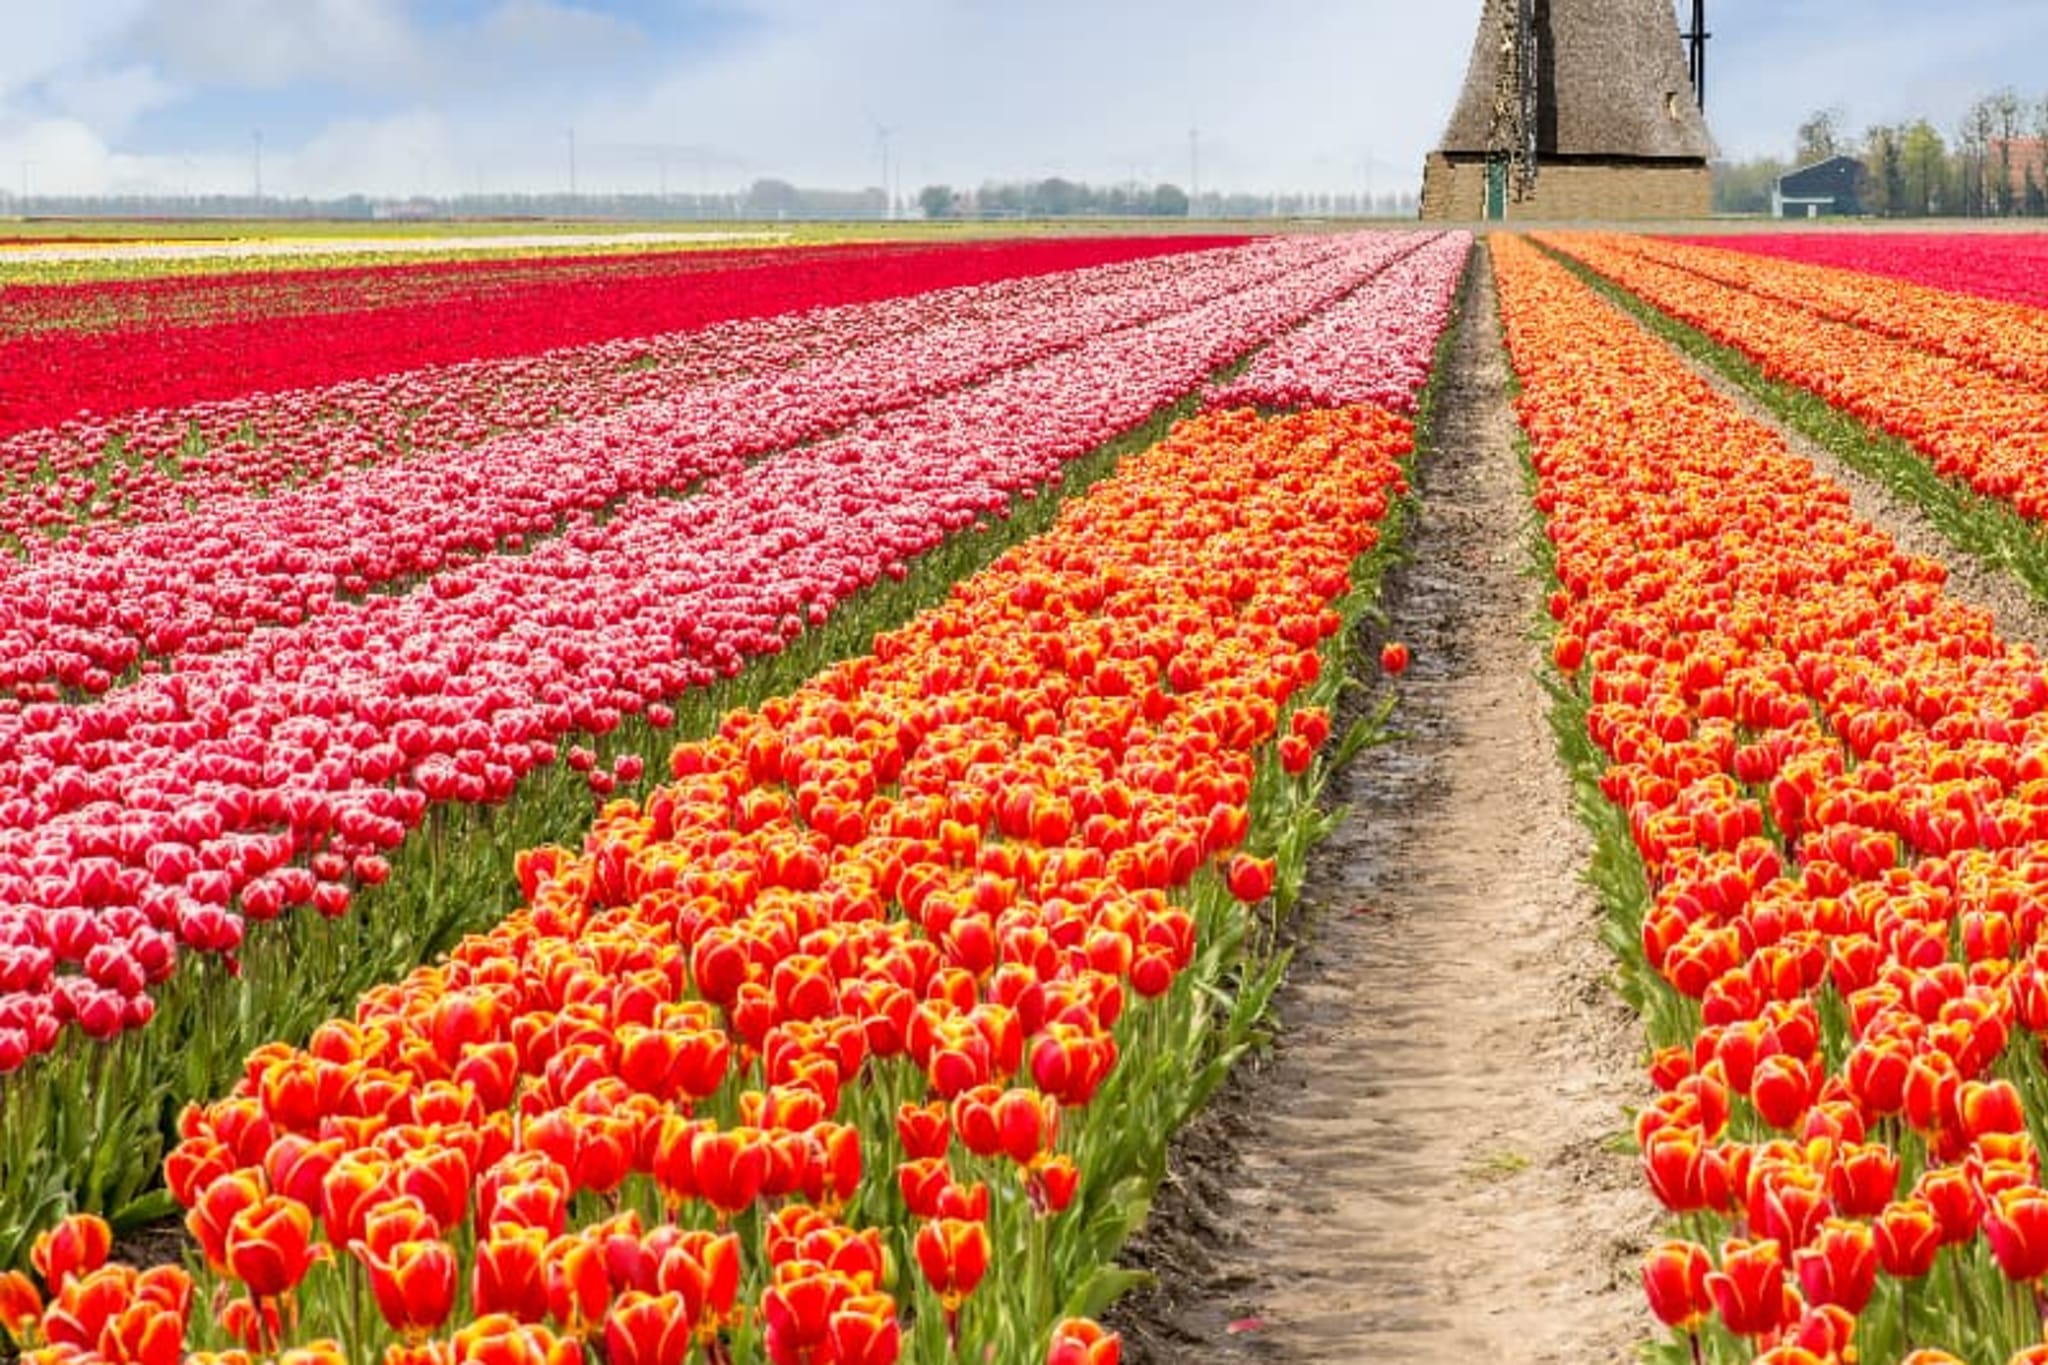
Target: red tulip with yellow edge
647, 1329
510, 1277
218, 1204
1908, 1238
579, 1288
727, 1167
1675, 1278
2016, 1226
1083, 1341
1749, 1289
21, 1307
1250, 879
863, 1330
1957, 1206
797, 1312
270, 1245
496, 1339
923, 1129
1863, 1179
256, 1323
953, 1255
414, 1286
1840, 1267
144, 1333
76, 1245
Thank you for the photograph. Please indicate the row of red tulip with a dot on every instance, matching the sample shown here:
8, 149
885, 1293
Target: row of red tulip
52, 376
1971, 424
1363, 349
2007, 339
1830, 775
202, 581
2012, 267
41, 297
150, 465
910, 969
253, 781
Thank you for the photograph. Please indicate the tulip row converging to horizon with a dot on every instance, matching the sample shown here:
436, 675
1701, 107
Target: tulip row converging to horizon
1974, 403
202, 580
156, 464
899, 971
475, 310
1829, 777
248, 781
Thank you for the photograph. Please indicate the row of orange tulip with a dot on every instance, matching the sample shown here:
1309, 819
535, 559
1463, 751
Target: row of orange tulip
903, 969
2007, 339
1831, 775
1971, 423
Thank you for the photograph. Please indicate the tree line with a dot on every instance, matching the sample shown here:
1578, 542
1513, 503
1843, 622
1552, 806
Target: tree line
1990, 165
1057, 197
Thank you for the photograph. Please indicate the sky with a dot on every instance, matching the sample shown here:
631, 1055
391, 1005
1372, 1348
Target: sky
397, 97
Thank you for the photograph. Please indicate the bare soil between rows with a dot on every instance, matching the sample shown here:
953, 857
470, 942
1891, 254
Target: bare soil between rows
1432, 1163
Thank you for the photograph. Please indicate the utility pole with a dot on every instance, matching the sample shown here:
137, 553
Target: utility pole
1194, 169
257, 139
572, 167
888, 199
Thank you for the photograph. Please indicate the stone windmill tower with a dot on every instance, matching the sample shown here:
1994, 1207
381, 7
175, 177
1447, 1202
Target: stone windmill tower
1576, 109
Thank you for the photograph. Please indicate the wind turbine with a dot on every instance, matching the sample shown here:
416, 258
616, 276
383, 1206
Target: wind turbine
883, 132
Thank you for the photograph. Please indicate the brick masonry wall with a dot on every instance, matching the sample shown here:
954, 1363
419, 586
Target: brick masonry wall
1455, 191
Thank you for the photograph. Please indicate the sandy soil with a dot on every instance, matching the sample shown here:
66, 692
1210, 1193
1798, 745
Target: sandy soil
1432, 1165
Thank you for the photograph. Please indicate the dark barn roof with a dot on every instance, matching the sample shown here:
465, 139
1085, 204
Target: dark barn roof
1839, 179
1612, 82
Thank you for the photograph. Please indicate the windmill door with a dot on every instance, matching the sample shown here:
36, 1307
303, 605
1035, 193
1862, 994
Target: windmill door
1496, 189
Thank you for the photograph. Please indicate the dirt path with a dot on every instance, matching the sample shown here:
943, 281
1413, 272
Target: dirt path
1426, 1167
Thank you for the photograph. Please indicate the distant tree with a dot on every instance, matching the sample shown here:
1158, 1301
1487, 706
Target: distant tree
1745, 186
773, 199
1926, 163
1884, 144
1819, 137
2007, 117
939, 201
1169, 201
1056, 198
1973, 152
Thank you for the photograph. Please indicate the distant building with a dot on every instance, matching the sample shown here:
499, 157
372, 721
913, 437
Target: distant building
2025, 160
1827, 189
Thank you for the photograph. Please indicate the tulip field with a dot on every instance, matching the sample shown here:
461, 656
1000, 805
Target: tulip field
489, 841
725, 805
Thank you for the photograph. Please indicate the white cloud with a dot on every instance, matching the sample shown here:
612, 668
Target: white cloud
528, 32
45, 37
275, 44
110, 101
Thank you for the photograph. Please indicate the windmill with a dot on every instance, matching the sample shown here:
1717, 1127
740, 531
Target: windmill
1597, 95
1511, 132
